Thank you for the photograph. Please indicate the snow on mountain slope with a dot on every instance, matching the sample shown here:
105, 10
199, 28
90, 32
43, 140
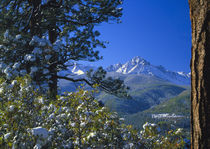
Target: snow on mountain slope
138, 65
76, 69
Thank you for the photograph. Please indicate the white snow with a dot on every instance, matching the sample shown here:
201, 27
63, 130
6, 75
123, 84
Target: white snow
14, 82
149, 125
92, 134
41, 100
78, 69
1, 90
40, 132
16, 65
37, 146
79, 72
18, 37
7, 70
29, 57
6, 136
179, 130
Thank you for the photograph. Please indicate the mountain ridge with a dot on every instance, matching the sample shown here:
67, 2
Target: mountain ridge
138, 65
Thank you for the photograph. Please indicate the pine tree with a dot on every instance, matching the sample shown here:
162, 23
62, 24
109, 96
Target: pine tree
39, 37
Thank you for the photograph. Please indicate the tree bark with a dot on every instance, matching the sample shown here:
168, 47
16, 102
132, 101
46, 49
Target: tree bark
53, 68
200, 74
52, 33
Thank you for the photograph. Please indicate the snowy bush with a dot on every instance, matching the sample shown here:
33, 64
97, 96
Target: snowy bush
153, 137
29, 119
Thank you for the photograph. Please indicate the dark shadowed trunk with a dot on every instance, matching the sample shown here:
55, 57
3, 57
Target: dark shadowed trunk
53, 67
52, 33
35, 18
200, 74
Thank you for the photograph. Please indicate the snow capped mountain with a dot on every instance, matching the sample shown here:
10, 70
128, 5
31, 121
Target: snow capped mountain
132, 66
135, 66
138, 65
77, 69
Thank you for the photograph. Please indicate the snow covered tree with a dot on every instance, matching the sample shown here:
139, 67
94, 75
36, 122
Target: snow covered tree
39, 37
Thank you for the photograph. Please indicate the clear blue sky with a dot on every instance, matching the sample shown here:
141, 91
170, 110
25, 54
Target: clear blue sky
157, 30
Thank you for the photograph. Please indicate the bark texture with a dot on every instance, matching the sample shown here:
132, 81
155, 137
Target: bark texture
200, 74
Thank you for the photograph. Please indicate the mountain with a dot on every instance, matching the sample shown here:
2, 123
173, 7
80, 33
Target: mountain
76, 69
154, 91
150, 85
146, 92
138, 65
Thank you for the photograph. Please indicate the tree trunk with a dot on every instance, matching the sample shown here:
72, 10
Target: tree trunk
52, 33
200, 74
53, 68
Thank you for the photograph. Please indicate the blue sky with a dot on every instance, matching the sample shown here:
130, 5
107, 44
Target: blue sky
157, 30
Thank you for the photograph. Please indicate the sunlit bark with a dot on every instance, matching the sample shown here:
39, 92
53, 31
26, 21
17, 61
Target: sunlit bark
200, 71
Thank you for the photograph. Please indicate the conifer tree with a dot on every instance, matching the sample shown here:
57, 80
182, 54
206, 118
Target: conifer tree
39, 37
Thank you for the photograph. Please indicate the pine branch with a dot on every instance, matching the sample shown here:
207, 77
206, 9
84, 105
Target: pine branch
76, 80
102, 85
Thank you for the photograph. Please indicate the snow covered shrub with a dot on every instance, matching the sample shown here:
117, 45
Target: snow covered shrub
29, 119
153, 137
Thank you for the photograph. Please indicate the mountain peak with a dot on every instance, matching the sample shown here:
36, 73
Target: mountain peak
138, 65
139, 60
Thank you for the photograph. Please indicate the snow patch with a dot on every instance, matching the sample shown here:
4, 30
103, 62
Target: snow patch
40, 132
